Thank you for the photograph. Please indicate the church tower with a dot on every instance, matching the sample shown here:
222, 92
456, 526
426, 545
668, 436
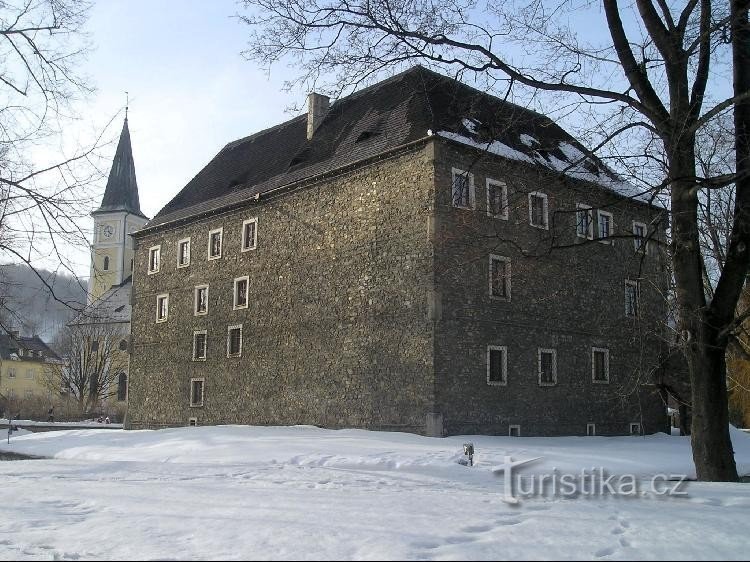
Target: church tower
118, 216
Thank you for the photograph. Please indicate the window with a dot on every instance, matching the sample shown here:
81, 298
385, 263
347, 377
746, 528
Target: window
462, 189
162, 308
499, 277
600, 365
122, 387
547, 361
514, 431
631, 298
605, 227
123, 345
249, 234
234, 341
154, 259
29, 374
193, 422
106, 263
11, 373
214, 243
590, 429
200, 304
29, 394
538, 210
183, 252
497, 199
240, 292
639, 236
497, 365
635, 428
196, 393
199, 345
584, 222
131, 265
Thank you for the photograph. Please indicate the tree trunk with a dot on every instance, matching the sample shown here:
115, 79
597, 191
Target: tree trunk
685, 419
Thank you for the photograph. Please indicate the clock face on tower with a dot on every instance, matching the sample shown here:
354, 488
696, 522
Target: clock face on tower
108, 231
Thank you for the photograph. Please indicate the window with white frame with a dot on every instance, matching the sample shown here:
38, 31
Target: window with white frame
605, 227
197, 392
514, 431
538, 210
29, 394
214, 243
241, 286
162, 307
640, 231
547, 367
497, 365
192, 422
200, 300
599, 365
635, 428
183, 252
499, 277
591, 429
154, 259
234, 341
200, 338
12, 373
584, 221
462, 189
631, 298
497, 199
250, 234
30, 374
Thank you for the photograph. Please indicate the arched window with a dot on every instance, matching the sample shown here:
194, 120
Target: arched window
106, 263
122, 387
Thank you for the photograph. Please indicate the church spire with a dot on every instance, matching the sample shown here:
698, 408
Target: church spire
121, 193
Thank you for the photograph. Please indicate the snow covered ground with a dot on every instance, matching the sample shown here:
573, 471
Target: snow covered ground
240, 492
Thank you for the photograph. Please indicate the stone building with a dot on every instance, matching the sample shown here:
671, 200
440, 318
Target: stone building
417, 256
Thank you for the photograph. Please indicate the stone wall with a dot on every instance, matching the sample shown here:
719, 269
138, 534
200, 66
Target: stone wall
567, 294
336, 331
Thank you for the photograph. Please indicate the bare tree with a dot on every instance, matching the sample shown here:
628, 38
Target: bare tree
647, 89
45, 180
94, 360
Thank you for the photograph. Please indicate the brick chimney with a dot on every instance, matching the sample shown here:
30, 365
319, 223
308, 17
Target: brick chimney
317, 107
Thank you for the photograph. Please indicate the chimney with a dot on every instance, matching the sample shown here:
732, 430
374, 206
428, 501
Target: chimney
317, 107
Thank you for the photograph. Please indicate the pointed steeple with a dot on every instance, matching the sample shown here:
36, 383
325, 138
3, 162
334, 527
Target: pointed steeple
121, 193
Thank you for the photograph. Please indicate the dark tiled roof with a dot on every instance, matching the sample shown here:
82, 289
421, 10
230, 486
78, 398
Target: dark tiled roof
121, 193
374, 120
10, 346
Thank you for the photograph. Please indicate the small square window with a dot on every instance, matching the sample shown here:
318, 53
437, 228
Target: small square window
514, 431
635, 428
462, 189
183, 253
499, 277
214, 243
250, 234
538, 210
200, 300
162, 308
196, 393
584, 222
234, 341
154, 259
631, 298
600, 365
193, 422
497, 365
241, 287
199, 345
497, 199
606, 227
547, 367
640, 231
590, 429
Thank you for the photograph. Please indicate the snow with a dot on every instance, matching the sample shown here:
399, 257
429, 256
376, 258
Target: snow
238, 492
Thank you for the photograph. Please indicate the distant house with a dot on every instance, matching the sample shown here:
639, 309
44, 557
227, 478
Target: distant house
417, 256
25, 373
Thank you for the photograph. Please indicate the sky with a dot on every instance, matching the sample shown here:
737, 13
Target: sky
191, 92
